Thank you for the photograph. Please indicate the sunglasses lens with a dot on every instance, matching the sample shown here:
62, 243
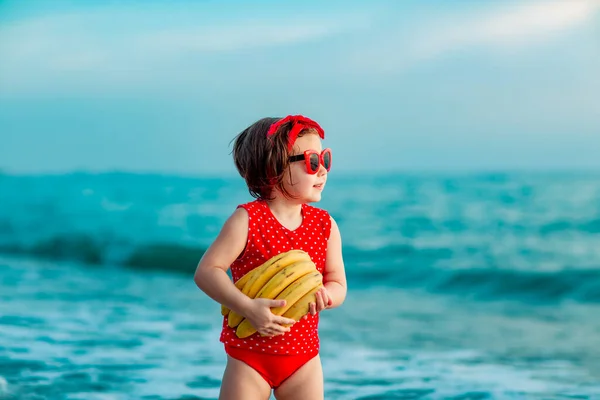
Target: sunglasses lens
314, 162
327, 160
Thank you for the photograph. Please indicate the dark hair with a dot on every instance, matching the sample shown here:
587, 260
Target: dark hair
261, 160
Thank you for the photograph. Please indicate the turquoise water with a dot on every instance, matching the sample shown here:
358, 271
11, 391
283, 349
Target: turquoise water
461, 287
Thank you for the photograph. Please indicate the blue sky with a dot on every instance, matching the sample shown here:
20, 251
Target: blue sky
163, 86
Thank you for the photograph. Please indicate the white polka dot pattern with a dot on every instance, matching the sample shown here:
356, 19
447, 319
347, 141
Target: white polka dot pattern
267, 238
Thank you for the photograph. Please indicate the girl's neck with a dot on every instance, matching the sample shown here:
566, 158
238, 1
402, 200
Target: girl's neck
288, 213
284, 208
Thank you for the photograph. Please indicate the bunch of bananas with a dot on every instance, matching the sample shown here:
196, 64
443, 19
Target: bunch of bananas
290, 276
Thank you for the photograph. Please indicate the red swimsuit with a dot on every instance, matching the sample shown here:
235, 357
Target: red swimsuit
277, 357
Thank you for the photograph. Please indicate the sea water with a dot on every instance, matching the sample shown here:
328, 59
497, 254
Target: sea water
465, 286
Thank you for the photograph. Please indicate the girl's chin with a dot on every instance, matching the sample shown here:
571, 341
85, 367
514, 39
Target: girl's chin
309, 196
314, 197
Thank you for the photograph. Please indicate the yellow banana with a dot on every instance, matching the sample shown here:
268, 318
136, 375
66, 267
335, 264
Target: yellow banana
240, 283
284, 278
301, 307
258, 280
290, 294
297, 290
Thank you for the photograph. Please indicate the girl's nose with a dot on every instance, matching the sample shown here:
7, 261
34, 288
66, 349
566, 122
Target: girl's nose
322, 171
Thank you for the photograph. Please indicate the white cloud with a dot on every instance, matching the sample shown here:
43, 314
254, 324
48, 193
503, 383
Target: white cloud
521, 24
508, 26
225, 39
120, 46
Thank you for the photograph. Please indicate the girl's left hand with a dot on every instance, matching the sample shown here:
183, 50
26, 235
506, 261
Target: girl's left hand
323, 301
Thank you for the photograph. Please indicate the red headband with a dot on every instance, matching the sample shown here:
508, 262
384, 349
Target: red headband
299, 123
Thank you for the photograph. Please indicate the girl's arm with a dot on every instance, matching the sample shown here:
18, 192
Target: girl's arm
334, 276
211, 277
211, 273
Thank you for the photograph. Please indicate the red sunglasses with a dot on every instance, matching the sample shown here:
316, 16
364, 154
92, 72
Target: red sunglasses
313, 159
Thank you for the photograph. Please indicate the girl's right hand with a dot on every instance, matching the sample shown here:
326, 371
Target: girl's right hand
264, 321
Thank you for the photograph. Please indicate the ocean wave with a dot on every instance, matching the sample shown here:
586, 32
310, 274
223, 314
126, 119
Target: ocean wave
591, 226
580, 285
89, 250
403, 266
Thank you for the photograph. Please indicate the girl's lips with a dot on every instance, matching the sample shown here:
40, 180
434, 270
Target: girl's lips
319, 186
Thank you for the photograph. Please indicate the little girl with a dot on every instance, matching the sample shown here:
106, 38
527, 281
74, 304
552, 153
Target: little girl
285, 168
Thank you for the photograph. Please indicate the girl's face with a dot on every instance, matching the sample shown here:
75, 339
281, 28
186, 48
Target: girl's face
297, 181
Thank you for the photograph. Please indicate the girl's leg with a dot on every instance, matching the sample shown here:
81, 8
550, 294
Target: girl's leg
305, 383
242, 382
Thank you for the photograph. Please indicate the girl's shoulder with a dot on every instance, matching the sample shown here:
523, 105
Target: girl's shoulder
319, 212
250, 207
252, 203
318, 216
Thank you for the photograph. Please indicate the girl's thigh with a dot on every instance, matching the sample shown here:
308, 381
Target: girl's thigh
242, 382
305, 383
